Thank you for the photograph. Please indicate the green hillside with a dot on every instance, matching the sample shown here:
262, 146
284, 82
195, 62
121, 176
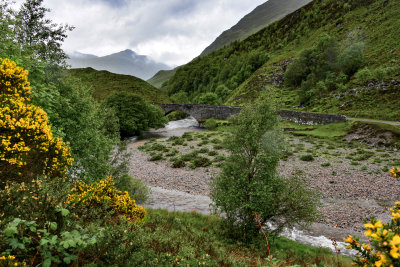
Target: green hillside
104, 83
259, 62
260, 17
161, 77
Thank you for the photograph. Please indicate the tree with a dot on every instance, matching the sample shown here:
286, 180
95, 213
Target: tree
209, 99
134, 114
249, 183
39, 35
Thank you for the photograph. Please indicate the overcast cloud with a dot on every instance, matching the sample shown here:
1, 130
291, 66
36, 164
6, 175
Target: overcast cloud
169, 31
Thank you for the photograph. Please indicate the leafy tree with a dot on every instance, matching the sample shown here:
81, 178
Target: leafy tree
352, 59
209, 99
134, 114
249, 183
39, 35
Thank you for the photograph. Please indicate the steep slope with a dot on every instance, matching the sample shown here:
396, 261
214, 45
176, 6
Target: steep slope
161, 77
375, 23
260, 17
124, 62
104, 83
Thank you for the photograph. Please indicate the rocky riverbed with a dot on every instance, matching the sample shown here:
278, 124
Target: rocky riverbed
350, 190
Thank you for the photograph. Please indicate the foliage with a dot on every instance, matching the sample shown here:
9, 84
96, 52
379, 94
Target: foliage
134, 114
39, 35
323, 67
364, 75
384, 249
211, 124
248, 181
177, 115
91, 129
208, 99
28, 148
204, 74
22, 237
307, 158
103, 193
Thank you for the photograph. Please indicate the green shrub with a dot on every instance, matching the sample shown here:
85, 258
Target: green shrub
212, 153
204, 150
211, 124
326, 164
307, 158
178, 163
156, 157
363, 76
201, 162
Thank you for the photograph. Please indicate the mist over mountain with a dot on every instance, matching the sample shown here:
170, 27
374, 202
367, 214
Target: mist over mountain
260, 17
125, 62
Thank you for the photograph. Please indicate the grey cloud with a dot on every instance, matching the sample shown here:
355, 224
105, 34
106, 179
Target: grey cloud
170, 31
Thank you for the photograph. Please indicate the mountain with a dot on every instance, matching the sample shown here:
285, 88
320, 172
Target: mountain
239, 72
260, 17
124, 62
161, 77
104, 83
78, 55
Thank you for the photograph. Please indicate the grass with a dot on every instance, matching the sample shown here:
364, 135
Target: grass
103, 83
192, 238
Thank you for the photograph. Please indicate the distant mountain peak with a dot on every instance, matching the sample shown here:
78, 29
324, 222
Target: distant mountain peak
126, 62
79, 55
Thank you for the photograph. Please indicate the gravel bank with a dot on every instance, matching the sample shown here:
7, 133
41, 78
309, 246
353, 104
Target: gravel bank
348, 194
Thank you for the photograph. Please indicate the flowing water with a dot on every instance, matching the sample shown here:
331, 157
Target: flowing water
181, 201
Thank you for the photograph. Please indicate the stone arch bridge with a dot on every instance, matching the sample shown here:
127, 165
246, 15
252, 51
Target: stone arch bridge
204, 112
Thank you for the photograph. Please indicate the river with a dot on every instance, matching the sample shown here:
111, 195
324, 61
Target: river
174, 200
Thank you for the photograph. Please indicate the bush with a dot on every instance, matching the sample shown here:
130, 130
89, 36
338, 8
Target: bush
156, 157
211, 124
307, 158
381, 73
134, 186
384, 249
104, 193
248, 182
28, 148
364, 75
352, 59
201, 162
134, 114
209, 99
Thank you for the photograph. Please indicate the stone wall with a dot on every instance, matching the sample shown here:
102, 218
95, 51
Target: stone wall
310, 118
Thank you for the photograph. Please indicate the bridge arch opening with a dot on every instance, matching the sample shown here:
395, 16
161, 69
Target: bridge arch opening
175, 115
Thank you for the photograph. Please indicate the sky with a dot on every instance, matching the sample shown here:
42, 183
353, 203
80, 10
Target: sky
169, 31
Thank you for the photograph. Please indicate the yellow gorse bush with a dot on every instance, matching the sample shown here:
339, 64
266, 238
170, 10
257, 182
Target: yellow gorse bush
27, 146
395, 172
14, 80
385, 242
104, 192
